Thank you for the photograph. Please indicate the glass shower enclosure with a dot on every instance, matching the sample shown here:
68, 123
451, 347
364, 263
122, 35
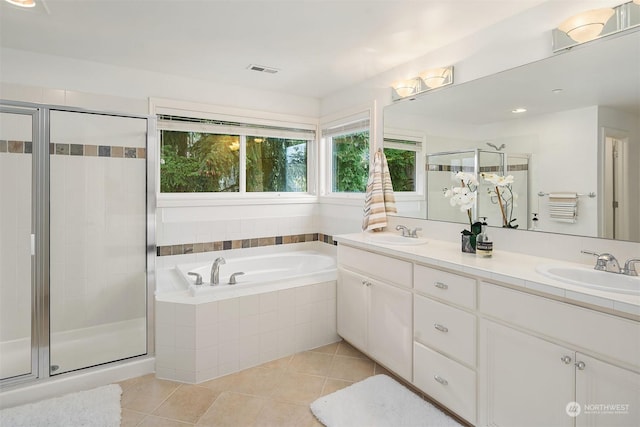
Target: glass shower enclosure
442, 168
76, 239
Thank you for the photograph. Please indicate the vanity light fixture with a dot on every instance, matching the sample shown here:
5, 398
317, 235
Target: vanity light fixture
426, 80
595, 24
587, 25
405, 88
22, 3
437, 77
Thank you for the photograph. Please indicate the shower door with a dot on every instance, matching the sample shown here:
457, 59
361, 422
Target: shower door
18, 331
98, 213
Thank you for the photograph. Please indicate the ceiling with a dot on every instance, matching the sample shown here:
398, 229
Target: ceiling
318, 46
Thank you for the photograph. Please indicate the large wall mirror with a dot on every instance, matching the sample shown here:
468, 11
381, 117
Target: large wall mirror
574, 154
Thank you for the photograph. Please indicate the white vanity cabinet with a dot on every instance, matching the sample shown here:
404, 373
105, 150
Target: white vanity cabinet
374, 307
444, 358
530, 376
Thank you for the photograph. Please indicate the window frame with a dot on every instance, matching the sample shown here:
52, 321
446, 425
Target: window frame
346, 121
162, 107
392, 138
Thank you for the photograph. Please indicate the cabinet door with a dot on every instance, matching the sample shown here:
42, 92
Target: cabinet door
608, 395
526, 381
351, 301
390, 333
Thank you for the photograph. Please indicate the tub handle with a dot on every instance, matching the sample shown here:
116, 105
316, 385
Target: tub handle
198, 277
232, 279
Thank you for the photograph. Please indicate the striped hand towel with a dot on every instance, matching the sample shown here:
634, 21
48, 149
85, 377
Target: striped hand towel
379, 199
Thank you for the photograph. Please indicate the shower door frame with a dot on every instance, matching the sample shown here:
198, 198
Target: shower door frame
40, 279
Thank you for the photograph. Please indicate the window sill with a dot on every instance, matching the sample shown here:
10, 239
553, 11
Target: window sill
195, 200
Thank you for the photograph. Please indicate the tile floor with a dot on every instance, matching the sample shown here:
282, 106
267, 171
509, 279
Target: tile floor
277, 393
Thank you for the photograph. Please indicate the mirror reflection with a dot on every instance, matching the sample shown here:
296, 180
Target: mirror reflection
564, 133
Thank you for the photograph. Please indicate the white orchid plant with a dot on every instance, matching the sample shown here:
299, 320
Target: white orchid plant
464, 196
502, 193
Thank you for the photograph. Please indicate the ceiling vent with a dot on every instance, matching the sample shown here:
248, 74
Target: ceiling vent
262, 69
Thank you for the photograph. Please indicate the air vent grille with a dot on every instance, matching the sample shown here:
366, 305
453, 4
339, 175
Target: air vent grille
262, 69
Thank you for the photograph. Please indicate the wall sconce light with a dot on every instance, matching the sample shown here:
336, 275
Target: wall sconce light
406, 88
594, 24
426, 80
22, 3
437, 77
586, 26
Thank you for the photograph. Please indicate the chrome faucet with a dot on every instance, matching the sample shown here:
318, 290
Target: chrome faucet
405, 230
215, 271
630, 268
605, 262
408, 232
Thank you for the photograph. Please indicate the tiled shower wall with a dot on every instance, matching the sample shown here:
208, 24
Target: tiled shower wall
98, 214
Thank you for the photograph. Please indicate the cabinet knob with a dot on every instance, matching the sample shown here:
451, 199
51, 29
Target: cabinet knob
441, 285
440, 327
366, 283
566, 359
440, 380
580, 365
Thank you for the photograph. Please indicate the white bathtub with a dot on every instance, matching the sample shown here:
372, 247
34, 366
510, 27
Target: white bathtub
283, 304
262, 273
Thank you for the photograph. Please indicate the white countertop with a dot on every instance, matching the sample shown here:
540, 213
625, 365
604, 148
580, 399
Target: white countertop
514, 269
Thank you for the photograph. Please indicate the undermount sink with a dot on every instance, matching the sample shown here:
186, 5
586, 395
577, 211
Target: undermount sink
395, 239
590, 278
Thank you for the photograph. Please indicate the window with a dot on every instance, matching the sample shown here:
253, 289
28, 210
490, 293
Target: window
349, 152
402, 158
208, 156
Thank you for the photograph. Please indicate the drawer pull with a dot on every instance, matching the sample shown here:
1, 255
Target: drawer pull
440, 380
566, 359
441, 285
580, 365
440, 327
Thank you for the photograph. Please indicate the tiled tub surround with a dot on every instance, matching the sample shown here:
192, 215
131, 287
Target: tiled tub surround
223, 245
200, 338
26, 147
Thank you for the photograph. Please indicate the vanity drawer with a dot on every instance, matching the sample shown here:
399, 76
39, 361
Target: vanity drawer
445, 328
381, 267
447, 286
446, 381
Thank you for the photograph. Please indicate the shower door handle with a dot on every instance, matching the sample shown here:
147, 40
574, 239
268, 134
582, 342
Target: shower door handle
33, 244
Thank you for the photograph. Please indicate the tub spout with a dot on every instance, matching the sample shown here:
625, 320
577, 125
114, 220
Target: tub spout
215, 271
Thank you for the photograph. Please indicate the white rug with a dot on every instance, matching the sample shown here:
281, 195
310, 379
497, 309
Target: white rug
378, 401
99, 407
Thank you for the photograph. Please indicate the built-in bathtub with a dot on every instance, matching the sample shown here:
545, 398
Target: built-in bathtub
283, 303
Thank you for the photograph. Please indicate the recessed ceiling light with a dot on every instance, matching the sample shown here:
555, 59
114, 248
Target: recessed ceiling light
557, 90
518, 110
22, 3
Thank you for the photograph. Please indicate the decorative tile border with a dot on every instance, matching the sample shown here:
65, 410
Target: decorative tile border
26, 147
449, 168
195, 248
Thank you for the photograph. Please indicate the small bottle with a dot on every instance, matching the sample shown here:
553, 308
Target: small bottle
484, 245
534, 222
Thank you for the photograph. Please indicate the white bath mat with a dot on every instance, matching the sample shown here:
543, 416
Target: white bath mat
378, 401
99, 407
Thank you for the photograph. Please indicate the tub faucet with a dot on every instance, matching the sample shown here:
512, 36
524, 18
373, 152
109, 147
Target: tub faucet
215, 271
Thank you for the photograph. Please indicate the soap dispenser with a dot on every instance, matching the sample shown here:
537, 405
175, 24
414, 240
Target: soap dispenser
484, 245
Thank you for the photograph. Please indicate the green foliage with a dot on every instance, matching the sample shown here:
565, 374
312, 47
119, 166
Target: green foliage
402, 168
351, 162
